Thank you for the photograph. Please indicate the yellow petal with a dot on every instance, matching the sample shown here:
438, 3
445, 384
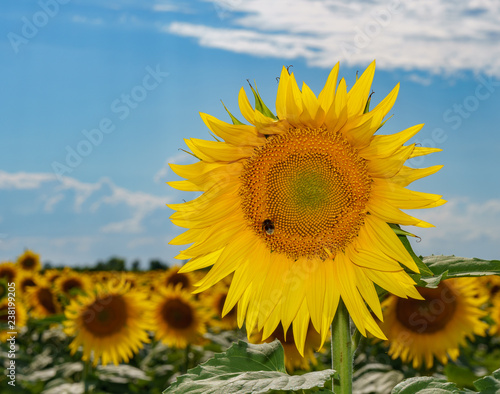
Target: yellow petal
201, 262
408, 175
300, 327
390, 214
390, 166
245, 107
281, 95
312, 114
385, 145
316, 293
387, 241
327, 95
293, 102
234, 134
422, 151
213, 151
336, 116
358, 95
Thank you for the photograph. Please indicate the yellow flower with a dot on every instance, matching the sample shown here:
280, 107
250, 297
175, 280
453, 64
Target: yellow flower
19, 321
495, 315
52, 274
178, 318
111, 323
29, 261
71, 283
297, 206
42, 300
492, 284
216, 302
8, 271
26, 279
293, 359
418, 330
172, 277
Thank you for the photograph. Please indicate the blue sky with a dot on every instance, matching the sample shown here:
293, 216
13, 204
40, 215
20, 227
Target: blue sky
122, 83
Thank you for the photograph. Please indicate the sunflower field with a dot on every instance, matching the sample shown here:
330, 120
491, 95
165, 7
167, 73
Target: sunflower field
298, 276
142, 331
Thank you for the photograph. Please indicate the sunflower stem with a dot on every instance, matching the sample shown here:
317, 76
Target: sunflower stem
342, 351
356, 341
186, 365
85, 377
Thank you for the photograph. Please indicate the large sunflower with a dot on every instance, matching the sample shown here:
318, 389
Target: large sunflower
178, 318
29, 261
111, 323
297, 206
418, 330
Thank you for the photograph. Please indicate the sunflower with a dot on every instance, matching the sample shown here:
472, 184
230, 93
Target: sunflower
172, 277
495, 315
297, 205
4, 288
29, 261
293, 359
8, 271
418, 330
492, 284
18, 322
42, 300
71, 283
216, 302
110, 323
52, 274
26, 279
179, 320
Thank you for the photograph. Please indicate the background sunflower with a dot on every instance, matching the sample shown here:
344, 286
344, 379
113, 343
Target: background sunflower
438, 325
110, 323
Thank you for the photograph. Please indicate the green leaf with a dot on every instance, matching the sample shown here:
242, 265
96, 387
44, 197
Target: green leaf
427, 385
461, 266
54, 319
489, 384
378, 378
429, 281
402, 235
233, 119
247, 368
259, 103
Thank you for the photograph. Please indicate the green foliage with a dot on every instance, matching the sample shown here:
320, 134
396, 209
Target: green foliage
430, 385
247, 368
426, 385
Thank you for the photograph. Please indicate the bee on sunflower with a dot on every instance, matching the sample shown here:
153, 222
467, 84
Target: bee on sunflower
296, 205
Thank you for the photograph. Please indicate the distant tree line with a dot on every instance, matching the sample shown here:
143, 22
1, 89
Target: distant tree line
114, 264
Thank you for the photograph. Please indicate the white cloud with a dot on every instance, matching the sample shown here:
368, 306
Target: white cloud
86, 20
162, 173
442, 36
88, 198
24, 180
463, 227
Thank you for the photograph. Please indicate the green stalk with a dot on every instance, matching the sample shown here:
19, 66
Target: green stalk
342, 350
85, 376
188, 350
